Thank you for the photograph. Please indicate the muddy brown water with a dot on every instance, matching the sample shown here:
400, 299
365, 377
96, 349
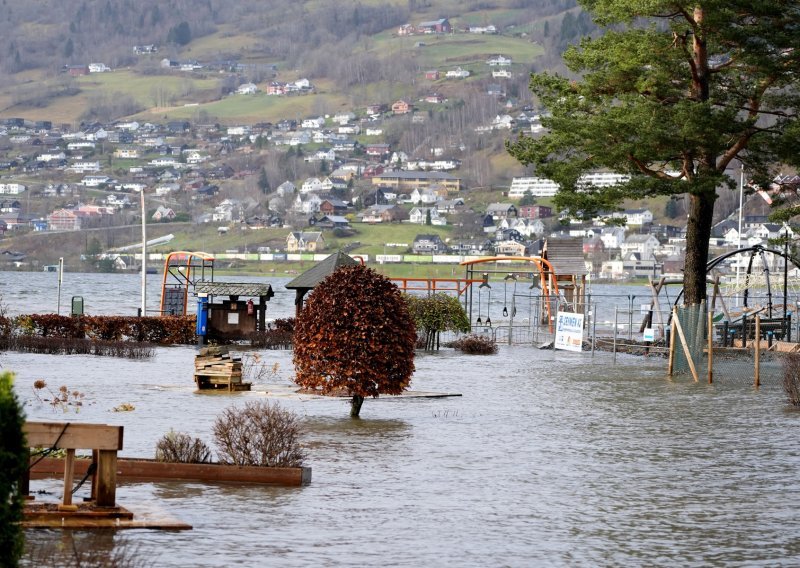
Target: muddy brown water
548, 458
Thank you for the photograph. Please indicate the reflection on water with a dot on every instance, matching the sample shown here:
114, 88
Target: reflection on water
548, 458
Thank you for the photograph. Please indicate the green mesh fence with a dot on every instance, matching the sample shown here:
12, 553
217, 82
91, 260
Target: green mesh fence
692, 321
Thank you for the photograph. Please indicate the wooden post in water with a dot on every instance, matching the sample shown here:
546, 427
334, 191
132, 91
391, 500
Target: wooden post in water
710, 347
757, 344
69, 472
672, 338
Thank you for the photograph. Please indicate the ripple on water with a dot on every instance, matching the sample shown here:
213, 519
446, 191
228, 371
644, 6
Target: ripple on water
547, 458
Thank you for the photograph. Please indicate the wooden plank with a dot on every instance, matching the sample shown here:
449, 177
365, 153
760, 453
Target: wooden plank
673, 337
69, 473
686, 351
106, 491
128, 469
75, 436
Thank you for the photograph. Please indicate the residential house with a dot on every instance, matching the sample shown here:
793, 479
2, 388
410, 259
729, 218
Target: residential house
612, 237
429, 244
499, 61
422, 196
420, 216
449, 205
434, 98
457, 73
501, 74
535, 211
502, 210
432, 75
311, 185
333, 222
63, 220
509, 248
440, 26
400, 107
330, 206
308, 203
12, 188
228, 211
376, 150
641, 245
247, 89
163, 214
305, 241
98, 68
286, 188
383, 214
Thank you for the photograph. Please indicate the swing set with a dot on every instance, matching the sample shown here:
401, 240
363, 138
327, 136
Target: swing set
547, 282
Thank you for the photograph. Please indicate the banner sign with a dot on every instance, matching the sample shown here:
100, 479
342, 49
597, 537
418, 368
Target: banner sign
569, 331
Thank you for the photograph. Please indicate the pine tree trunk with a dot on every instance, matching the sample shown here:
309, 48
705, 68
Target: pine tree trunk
355, 405
698, 234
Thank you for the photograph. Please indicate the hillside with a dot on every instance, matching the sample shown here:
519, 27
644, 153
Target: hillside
239, 41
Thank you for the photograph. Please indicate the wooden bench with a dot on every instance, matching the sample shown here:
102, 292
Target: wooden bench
104, 441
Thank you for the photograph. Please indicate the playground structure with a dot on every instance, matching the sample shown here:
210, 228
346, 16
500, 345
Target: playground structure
182, 271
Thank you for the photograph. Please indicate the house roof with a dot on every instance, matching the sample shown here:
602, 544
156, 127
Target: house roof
246, 289
566, 256
316, 274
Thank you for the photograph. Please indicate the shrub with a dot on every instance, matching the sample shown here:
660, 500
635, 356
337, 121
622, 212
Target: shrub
13, 462
434, 314
474, 344
354, 335
261, 433
182, 448
791, 377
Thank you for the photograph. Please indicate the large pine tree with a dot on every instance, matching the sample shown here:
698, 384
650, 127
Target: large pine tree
673, 94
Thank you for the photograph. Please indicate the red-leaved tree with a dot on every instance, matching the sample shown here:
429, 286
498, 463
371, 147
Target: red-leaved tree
354, 335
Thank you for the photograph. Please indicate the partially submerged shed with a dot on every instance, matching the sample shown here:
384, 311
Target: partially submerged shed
309, 279
236, 315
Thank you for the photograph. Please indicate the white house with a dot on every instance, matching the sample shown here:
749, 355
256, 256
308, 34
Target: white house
643, 245
98, 68
84, 167
286, 188
311, 185
501, 74
499, 61
307, 203
313, 123
457, 73
612, 237
51, 157
247, 89
419, 216
12, 188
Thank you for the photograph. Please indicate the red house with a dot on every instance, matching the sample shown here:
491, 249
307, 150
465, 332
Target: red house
535, 212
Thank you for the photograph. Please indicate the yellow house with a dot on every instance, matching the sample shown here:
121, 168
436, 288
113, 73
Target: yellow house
305, 241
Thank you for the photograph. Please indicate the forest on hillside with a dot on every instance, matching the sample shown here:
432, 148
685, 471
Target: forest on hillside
48, 34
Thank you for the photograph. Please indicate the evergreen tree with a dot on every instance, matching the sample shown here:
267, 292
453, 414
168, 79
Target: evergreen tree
13, 462
263, 182
671, 95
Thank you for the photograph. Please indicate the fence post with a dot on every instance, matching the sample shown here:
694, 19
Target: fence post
630, 317
594, 327
710, 347
672, 339
614, 349
757, 344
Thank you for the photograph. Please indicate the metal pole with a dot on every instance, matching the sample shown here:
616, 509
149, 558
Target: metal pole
739, 236
60, 278
594, 327
785, 272
630, 317
614, 359
144, 256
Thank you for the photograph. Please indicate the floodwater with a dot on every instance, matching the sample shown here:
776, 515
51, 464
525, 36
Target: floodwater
549, 458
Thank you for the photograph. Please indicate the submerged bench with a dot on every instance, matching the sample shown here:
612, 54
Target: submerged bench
104, 441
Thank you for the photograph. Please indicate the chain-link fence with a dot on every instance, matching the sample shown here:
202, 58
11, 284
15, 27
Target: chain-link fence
747, 351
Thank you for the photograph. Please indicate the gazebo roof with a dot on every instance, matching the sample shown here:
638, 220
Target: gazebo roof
316, 274
246, 289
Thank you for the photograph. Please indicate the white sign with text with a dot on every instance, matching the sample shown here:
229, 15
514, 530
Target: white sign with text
569, 331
